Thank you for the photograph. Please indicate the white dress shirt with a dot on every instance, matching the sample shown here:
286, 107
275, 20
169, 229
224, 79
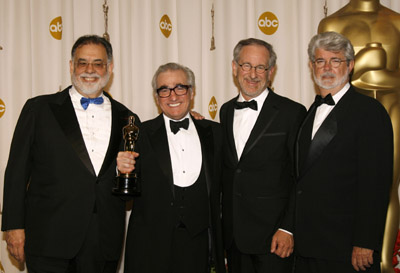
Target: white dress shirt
95, 125
185, 152
324, 109
244, 120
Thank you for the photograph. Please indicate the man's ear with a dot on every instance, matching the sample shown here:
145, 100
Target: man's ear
234, 68
110, 67
71, 67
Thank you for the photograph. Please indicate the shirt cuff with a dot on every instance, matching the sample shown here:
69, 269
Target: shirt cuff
286, 231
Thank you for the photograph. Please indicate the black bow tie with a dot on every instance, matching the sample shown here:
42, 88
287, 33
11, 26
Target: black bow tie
246, 104
320, 100
176, 125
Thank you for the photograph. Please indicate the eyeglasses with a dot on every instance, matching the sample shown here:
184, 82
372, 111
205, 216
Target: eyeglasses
97, 65
260, 69
334, 62
179, 89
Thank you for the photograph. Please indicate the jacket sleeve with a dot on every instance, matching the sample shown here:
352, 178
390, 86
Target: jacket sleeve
18, 170
288, 219
375, 174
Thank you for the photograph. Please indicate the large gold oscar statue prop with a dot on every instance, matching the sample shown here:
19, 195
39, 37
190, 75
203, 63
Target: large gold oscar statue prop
374, 30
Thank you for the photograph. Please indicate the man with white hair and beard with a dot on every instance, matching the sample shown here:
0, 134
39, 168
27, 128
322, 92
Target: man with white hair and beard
344, 168
58, 210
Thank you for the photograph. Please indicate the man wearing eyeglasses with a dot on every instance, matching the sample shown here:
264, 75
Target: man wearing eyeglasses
175, 224
259, 129
58, 210
345, 164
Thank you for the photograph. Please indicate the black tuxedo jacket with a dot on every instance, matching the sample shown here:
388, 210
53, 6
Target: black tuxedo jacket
344, 178
51, 189
151, 225
257, 187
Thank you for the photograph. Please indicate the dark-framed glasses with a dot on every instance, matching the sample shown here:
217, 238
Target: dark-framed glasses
334, 62
97, 65
179, 89
260, 69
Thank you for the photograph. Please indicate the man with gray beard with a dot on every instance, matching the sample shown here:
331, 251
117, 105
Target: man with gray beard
344, 168
58, 211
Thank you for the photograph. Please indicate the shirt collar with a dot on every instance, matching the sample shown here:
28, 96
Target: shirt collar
260, 99
341, 93
76, 95
167, 119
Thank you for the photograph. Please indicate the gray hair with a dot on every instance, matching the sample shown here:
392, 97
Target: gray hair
174, 67
253, 41
333, 42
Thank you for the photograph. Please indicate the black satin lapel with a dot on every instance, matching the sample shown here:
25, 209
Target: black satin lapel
229, 132
118, 121
264, 120
322, 138
159, 141
303, 140
207, 150
66, 117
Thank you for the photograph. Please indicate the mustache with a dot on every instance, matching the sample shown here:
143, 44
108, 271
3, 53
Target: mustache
253, 79
328, 74
89, 75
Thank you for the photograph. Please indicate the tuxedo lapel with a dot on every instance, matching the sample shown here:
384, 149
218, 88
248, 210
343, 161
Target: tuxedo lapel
64, 113
303, 140
159, 142
229, 131
325, 134
118, 121
322, 138
268, 113
207, 150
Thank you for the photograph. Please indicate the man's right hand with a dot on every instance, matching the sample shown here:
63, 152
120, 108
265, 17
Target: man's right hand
126, 161
197, 116
15, 239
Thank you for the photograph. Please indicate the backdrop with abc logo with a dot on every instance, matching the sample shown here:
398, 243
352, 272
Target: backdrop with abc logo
36, 37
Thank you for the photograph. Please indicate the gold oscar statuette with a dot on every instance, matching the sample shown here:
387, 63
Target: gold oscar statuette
127, 183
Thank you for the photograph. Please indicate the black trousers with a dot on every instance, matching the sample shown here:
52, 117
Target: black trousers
89, 259
312, 265
189, 254
239, 262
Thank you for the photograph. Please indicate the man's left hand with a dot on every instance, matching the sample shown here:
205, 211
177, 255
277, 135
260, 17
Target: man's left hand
361, 258
282, 244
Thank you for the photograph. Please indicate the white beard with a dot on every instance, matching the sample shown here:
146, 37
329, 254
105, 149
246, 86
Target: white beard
90, 88
337, 82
